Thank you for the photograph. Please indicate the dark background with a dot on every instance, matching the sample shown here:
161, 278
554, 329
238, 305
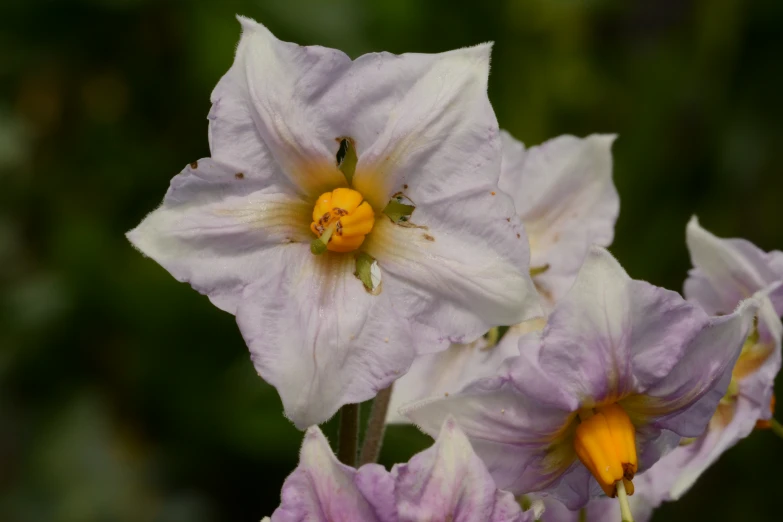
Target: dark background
126, 396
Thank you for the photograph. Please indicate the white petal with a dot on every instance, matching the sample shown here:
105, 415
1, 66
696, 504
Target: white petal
564, 193
267, 112
320, 338
452, 280
727, 270
440, 138
219, 232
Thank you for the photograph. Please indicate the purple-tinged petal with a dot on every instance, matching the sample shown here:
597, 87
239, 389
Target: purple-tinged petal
219, 233
685, 399
674, 474
321, 489
728, 270
444, 373
610, 335
449, 483
320, 338
563, 191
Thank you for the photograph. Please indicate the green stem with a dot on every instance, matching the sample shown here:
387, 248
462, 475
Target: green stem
376, 427
348, 441
776, 428
625, 508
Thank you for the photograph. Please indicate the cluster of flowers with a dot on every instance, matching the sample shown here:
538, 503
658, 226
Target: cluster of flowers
367, 222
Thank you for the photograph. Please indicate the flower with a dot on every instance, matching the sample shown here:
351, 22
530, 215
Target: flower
349, 215
446, 482
563, 192
725, 272
621, 372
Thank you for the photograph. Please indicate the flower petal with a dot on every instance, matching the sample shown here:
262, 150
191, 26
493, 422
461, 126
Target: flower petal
611, 335
267, 112
440, 138
672, 476
320, 338
448, 482
728, 270
451, 279
685, 399
321, 489
563, 192
219, 232
444, 373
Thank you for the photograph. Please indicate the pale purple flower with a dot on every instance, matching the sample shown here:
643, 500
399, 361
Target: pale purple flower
564, 194
445, 483
613, 349
435, 254
725, 272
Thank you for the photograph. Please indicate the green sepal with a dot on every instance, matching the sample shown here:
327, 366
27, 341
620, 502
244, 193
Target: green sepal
398, 212
363, 266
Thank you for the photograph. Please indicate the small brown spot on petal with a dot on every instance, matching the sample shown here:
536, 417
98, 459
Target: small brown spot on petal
518, 236
446, 394
508, 219
429, 237
194, 165
492, 193
239, 175
405, 186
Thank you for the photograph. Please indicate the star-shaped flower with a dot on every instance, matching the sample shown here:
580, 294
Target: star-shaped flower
621, 372
349, 215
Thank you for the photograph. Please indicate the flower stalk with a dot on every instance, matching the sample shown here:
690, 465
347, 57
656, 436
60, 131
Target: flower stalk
348, 438
376, 427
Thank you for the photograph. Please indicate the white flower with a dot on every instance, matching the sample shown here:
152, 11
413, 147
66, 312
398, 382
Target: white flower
322, 167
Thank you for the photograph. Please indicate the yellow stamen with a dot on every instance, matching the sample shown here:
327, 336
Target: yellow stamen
341, 220
605, 442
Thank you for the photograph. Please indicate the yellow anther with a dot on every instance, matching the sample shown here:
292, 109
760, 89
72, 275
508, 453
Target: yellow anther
341, 220
605, 442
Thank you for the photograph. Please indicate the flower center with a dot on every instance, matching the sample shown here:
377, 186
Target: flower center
341, 220
605, 442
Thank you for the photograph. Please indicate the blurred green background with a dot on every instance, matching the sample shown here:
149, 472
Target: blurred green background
126, 396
